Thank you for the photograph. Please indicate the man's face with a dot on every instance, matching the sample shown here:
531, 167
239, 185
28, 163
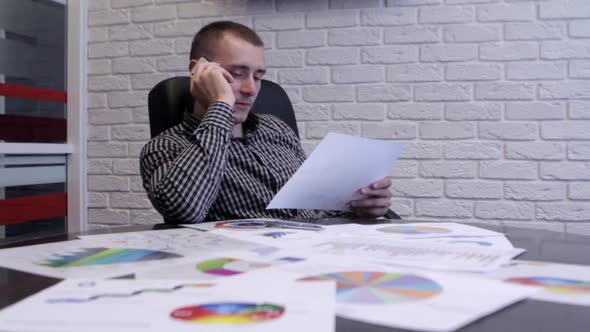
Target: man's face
245, 62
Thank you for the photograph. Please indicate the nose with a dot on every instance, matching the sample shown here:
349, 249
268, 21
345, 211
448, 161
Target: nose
248, 86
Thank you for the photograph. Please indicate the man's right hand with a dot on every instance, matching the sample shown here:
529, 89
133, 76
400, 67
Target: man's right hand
211, 83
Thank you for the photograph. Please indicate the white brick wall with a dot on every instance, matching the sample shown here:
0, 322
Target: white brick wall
491, 97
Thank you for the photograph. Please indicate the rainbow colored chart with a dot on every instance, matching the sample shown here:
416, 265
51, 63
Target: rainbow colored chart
411, 229
231, 266
99, 256
555, 285
242, 224
479, 243
229, 313
379, 287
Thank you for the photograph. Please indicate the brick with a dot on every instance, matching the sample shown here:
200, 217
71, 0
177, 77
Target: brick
147, 81
462, 2
146, 217
98, 5
448, 53
129, 201
411, 35
565, 171
561, 50
331, 19
389, 130
527, 191
578, 151
473, 111
98, 34
473, 150
301, 39
444, 208
151, 47
99, 133
318, 130
421, 150
367, 112
391, 92
153, 14
563, 211
136, 184
507, 12
182, 45
505, 210
278, 22
388, 17
108, 217
348, 4
102, 117
504, 91
536, 71
389, 54
415, 73
167, 63
471, 34
108, 83
96, 100
128, 3
535, 111
415, 111
315, 112
108, 50
447, 130
186, 28
579, 110
99, 166
405, 169
268, 38
126, 166
111, 149
127, 99
534, 31
284, 59
417, 188
107, 17
448, 14
473, 189
579, 28
131, 133
301, 5
399, 3
108, 183
97, 200
508, 170
354, 37
128, 32
328, 93
303, 76
577, 228
210, 9
357, 74
448, 169
331, 56
135, 149
564, 9
442, 92
134, 65
564, 90
99, 66
140, 115
508, 130
579, 69
473, 72
509, 51
579, 190
566, 130
535, 151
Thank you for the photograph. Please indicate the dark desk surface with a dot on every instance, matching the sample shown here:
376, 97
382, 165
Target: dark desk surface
528, 315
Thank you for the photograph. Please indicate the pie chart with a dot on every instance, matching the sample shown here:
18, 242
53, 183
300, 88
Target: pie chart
228, 266
242, 224
410, 229
229, 313
555, 285
363, 287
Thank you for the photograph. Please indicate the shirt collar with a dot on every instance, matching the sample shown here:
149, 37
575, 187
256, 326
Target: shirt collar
191, 123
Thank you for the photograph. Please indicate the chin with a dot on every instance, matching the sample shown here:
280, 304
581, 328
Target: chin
241, 116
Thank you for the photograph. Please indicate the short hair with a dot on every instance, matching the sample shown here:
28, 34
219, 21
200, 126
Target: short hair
205, 40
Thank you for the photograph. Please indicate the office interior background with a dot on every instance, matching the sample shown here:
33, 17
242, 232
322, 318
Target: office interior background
490, 97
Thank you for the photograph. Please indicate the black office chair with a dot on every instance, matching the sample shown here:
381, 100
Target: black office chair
169, 99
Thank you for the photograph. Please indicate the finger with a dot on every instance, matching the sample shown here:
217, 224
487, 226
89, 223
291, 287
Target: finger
227, 75
376, 192
381, 183
371, 203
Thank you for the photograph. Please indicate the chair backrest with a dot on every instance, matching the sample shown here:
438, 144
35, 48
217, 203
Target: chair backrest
168, 100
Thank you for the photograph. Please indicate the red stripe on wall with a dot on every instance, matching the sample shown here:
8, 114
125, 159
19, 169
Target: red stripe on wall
23, 209
18, 128
30, 92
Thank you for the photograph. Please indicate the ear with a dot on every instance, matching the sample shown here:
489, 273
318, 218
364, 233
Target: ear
191, 65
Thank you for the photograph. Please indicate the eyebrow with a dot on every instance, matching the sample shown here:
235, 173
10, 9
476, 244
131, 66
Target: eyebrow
245, 67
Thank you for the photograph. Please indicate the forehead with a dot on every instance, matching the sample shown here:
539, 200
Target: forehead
232, 50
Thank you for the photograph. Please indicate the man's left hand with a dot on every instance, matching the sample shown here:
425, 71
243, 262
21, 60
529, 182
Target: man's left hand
374, 200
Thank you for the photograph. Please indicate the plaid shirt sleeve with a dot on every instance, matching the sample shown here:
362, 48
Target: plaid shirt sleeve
182, 180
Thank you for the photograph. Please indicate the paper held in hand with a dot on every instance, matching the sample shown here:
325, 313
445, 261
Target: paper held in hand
338, 167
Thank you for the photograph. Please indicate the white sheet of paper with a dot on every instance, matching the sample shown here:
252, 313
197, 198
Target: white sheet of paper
564, 283
113, 255
434, 256
402, 297
338, 167
149, 305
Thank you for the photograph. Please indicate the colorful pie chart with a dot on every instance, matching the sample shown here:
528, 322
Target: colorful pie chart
229, 313
379, 287
555, 285
228, 266
101, 256
411, 229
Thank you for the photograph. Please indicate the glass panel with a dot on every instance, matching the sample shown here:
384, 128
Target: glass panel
32, 71
33, 200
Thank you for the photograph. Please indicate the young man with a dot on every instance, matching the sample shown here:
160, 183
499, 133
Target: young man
222, 162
